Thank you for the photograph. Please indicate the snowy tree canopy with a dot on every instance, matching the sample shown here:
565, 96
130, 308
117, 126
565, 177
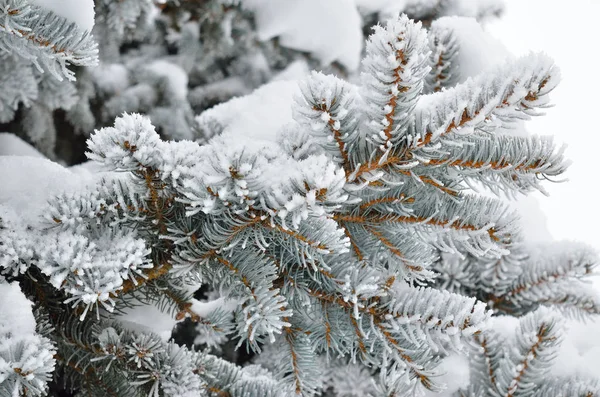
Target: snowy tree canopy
246, 227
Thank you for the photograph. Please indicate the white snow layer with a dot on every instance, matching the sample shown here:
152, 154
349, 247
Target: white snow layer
79, 11
28, 182
296, 70
12, 145
455, 374
205, 308
147, 318
16, 317
111, 78
261, 115
331, 30
580, 350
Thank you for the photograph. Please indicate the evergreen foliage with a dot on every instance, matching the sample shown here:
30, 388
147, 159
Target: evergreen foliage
167, 59
350, 254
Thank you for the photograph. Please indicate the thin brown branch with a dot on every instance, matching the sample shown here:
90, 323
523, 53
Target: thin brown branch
185, 310
424, 379
377, 219
429, 181
154, 187
28, 35
337, 136
377, 164
353, 244
524, 364
151, 275
546, 278
387, 243
238, 229
495, 165
482, 341
327, 324
218, 392
289, 338
297, 236
393, 101
439, 76
234, 270
393, 249
377, 313
358, 333
386, 200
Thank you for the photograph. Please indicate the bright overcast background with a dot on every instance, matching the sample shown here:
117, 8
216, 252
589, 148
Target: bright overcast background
568, 31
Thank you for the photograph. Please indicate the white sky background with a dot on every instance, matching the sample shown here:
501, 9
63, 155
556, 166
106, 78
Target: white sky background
570, 33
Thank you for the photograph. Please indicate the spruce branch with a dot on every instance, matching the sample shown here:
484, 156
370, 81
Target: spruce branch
444, 122
327, 106
392, 78
47, 40
556, 276
577, 386
442, 60
501, 163
539, 334
511, 91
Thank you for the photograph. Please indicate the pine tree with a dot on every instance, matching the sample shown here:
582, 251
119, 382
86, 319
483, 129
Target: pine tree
347, 254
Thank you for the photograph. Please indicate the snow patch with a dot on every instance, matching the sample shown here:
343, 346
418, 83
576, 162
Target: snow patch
16, 317
28, 182
331, 30
110, 78
260, 115
296, 70
384, 6
205, 308
147, 318
468, 8
455, 374
12, 145
579, 353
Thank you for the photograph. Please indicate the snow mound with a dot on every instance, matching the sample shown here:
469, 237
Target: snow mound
296, 70
331, 30
147, 318
28, 182
111, 78
12, 145
580, 351
16, 317
259, 115
455, 374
